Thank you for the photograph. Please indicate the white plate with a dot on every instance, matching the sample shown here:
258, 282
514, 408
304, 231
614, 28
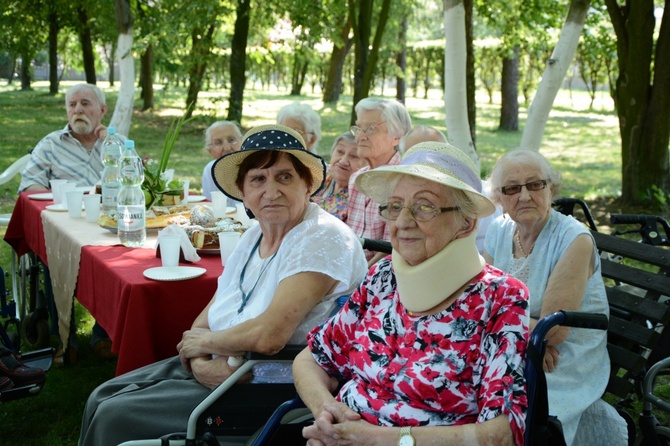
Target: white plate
59, 207
172, 273
230, 210
196, 198
56, 208
47, 196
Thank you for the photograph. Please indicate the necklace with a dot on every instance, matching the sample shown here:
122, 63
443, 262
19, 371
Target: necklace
245, 295
518, 245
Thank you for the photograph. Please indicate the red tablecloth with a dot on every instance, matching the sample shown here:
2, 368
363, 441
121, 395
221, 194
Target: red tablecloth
144, 318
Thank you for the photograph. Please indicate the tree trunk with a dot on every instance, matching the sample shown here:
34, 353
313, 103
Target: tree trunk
53, 52
238, 56
366, 60
86, 46
401, 62
553, 75
455, 90
112, 58
642, 97
147, 78
509, 88
470, 73
333, 88
202, 43
26, 72
123, 111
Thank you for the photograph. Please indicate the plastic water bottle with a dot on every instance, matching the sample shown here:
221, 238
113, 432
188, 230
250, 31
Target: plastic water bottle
131, 216
112, 148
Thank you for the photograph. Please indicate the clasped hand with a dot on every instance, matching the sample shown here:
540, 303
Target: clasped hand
337, 424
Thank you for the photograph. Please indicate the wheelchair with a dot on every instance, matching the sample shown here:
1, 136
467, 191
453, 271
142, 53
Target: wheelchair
252, 419
10, 339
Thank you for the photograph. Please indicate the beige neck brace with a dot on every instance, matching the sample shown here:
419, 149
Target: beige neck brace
424, 286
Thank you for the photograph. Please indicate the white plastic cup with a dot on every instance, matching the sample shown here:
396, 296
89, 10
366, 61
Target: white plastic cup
92, 207
187, 185
170, 245
73, 199
227, 243
56, 190
64, 189
242, 216
219, 204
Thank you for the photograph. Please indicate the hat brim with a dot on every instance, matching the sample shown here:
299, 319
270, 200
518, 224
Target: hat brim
374, 184
224, 170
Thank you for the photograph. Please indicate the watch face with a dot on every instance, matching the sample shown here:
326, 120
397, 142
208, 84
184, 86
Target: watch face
406, 440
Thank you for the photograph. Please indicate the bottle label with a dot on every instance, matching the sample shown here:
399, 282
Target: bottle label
110, 191
131, 218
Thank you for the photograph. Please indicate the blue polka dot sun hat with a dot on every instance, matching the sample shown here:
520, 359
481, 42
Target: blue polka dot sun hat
266, 137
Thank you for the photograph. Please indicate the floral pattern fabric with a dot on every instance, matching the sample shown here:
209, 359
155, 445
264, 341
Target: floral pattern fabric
335, 203
462, 365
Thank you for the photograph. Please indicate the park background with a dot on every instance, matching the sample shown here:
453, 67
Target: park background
582, 137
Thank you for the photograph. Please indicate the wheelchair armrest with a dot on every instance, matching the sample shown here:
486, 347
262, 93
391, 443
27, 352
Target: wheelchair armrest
289, 352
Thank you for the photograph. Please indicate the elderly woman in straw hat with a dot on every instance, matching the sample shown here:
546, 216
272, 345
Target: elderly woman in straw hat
281, 280
433, 340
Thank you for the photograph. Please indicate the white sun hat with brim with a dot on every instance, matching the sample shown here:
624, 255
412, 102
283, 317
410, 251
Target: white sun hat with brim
439, 162
262, 138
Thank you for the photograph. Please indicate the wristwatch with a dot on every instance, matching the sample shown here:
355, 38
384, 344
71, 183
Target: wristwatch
406, 437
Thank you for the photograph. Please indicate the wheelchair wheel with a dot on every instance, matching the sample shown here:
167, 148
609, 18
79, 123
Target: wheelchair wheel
35, 330
14, 334
662, 437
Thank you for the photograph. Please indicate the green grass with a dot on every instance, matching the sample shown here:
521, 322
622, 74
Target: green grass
583, 144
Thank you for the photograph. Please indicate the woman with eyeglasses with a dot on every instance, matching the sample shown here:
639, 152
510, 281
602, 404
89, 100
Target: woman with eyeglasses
430, 348
555, 256
221, 138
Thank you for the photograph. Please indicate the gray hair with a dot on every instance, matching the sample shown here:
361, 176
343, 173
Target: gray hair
305, 114
208, 131
421, 133
393, 113
93, 88
526, 158
346, 136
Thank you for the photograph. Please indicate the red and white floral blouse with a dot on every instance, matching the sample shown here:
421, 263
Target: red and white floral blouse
462, 365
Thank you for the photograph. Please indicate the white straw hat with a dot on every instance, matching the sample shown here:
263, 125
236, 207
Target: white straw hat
435, 161
266, 137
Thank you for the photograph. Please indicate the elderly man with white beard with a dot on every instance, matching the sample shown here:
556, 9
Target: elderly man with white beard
72, 153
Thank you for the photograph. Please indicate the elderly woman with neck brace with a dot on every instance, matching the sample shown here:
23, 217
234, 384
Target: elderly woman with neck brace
430, 347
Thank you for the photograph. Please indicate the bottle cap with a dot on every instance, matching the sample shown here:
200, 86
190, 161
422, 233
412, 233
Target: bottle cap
130, 144
111, 130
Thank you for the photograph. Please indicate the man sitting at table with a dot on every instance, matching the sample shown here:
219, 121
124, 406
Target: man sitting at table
72, 154
282, 279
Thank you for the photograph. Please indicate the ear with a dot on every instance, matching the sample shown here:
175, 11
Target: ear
468, 227
103, 109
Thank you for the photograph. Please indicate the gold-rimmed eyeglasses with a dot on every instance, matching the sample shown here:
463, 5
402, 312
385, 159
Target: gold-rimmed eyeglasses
420, 212
369, 130
533, 186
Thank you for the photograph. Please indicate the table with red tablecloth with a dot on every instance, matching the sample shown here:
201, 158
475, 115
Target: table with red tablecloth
144, 318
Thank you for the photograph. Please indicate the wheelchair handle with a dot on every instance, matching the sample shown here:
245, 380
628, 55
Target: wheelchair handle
376, 245
577, 319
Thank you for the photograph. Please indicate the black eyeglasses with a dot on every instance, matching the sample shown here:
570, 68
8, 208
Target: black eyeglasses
420, 211
533, 186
